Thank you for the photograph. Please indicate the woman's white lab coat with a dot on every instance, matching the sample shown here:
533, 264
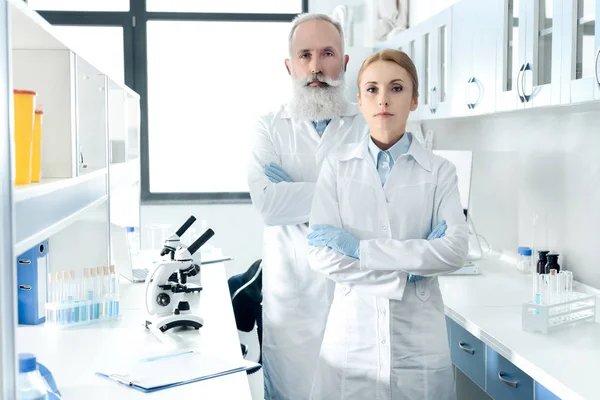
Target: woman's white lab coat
295, 298
386, 338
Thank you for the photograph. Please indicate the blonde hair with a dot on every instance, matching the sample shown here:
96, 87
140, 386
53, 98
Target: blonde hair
395, 56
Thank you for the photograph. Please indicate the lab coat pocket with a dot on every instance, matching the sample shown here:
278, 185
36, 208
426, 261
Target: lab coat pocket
358, 204
411, 209
423, 289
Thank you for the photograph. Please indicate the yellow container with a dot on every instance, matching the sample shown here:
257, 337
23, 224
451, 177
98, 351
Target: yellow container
36, 149
24, 101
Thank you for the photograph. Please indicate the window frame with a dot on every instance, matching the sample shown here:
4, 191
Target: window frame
134, 24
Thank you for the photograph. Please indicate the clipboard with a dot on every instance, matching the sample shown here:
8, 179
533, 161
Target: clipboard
164, 372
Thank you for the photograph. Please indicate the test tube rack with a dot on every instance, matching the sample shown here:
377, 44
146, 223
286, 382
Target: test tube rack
568, 309
66, 315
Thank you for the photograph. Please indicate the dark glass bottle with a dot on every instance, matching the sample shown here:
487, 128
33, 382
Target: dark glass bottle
542, 261
552, 263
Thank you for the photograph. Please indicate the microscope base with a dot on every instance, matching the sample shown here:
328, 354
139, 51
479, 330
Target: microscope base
177, 321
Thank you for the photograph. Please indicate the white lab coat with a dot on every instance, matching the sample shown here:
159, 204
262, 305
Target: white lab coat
386, 338
295, 299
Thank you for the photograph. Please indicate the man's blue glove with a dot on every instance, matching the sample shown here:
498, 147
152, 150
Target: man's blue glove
276, 174
437, 233
335, 238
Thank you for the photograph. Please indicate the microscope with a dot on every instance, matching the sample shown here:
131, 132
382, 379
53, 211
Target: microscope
168, 292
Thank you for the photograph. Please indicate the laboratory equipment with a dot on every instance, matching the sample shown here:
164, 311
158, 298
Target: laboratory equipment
552, 263
32, 267
155, 236
542, 260
525, 264
555, 304
79, 300
31, 385
133, 240
173, 242
24, 111
168, 293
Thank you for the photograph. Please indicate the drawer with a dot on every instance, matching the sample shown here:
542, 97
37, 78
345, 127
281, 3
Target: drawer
468, 354
505, 381
541, 393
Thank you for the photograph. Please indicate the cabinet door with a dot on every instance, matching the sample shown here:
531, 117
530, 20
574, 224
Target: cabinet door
510, 54
485, 31
541, 393
462, 57
440, 55
541, 73
580, 37
505, 381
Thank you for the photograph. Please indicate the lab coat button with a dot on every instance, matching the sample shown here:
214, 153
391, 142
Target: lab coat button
382, 312
422, 293
383, 341
385, 228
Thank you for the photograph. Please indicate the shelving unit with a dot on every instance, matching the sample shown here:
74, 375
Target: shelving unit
90, 160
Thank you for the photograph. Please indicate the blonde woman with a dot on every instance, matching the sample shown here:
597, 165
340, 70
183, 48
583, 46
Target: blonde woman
386, 220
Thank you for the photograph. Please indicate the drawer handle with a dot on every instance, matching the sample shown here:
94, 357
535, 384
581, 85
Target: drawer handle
465, 347
512, 384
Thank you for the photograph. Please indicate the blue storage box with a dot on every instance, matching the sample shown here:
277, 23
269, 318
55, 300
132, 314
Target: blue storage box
32, 280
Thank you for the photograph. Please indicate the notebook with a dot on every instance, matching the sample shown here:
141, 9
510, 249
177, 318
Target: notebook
163, 372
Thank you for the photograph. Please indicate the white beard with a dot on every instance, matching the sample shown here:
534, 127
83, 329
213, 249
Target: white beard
317, 103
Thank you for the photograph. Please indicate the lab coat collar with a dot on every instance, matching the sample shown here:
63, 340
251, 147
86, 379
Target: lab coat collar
350, 111
416, 150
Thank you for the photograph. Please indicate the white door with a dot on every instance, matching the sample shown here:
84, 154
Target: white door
461, 67
541, 74
510, 54
580, 48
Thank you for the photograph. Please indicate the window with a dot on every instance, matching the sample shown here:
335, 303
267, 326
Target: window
80, 5
102, 46
227, 6
208, 82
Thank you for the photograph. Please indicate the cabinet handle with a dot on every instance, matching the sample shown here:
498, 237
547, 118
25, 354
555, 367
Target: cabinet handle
512, 384
519, 92
596, 64
465, 347
526, 97
479, 96
432, 91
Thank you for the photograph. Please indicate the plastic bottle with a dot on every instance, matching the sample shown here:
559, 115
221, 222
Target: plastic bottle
525, 264
31, 385
133, 239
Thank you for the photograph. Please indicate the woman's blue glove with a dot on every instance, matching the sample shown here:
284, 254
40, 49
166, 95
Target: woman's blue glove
276, 174
437, 233
335, 238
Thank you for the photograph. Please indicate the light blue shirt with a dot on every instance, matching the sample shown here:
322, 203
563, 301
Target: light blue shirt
321, 125
385, 160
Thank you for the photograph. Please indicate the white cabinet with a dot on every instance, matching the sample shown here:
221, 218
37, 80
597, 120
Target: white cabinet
529, 54
475, 27
581, 51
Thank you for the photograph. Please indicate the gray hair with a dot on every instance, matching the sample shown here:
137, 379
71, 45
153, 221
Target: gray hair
301, 18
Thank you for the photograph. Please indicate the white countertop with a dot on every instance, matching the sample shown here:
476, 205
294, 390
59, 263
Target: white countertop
75, 355
566, 362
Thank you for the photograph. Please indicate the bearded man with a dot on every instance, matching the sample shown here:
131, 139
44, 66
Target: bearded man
288, 148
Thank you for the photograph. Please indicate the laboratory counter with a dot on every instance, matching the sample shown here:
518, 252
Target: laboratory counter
488, 306
74, 355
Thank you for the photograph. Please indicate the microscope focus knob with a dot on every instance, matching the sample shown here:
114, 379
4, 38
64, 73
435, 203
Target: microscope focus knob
163, 299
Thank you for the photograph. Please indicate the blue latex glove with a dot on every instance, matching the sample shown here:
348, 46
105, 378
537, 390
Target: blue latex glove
276, 174
335, 238
437, 233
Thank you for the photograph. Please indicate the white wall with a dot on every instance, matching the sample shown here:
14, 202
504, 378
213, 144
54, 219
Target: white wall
542, 162
420, 10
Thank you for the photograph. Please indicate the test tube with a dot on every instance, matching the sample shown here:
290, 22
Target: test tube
92, 293
84, 295
50, 300
114, 291
107, 300
68, 297
99, 293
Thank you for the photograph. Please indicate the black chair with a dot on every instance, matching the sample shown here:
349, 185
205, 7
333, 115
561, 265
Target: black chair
246, 297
